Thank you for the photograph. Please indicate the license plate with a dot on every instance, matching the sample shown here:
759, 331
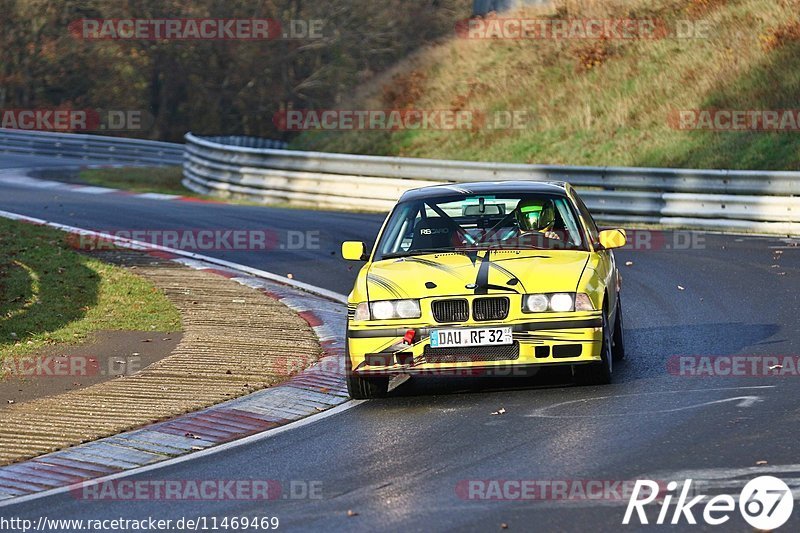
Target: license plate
446, 338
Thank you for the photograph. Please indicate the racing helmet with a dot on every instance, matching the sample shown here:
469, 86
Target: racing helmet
536, 214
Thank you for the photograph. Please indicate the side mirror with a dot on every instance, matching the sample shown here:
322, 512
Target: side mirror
613, 238
354, 251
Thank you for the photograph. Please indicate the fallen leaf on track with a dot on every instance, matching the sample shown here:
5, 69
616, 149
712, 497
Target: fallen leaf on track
501, 411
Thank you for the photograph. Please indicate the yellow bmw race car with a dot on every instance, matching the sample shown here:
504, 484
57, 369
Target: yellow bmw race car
480, 278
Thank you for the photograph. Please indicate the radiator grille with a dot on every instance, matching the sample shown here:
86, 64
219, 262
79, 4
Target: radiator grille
456, 310
484, 309
508, 352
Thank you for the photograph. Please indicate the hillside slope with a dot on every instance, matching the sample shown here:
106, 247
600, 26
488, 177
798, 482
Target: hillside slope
607, 101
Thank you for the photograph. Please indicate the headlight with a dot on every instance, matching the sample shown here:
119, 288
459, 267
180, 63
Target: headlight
536, 303
559, 302
382, 310
388, 309
407, 308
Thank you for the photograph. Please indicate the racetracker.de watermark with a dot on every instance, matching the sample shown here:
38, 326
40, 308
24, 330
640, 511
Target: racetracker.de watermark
545, 489
400, 119
177, 490
645, 240
734, 366
68, 365
200, 239
336, 365
195, 29
581, 29
726, 120
71, 120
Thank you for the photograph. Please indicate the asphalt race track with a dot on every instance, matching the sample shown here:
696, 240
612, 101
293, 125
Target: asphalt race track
402, 463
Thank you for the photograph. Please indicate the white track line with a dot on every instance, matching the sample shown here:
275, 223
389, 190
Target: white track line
139, 245
184, 458
129, 243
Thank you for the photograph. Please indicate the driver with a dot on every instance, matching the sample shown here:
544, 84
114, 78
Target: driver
537, 215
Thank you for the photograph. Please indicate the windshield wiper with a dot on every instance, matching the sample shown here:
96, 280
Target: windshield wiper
420, 251
495, 247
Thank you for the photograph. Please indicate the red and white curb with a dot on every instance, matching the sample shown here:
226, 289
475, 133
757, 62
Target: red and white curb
305, 396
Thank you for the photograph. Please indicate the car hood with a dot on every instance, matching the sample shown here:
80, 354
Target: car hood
482, 272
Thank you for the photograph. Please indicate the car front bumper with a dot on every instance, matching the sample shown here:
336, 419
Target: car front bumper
553, 341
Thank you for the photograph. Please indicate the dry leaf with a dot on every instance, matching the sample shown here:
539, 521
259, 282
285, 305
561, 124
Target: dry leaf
350, 512
761, 463
681, 288
628, 263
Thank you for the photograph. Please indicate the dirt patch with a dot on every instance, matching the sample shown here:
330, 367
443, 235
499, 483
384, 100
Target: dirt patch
56, 369
235, 340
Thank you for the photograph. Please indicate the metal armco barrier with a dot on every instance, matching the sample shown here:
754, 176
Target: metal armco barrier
96, 147
721, 200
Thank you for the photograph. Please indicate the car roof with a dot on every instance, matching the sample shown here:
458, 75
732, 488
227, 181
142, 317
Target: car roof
485, 187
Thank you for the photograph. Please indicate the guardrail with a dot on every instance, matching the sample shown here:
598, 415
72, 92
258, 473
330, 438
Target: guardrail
94, 147
724, 200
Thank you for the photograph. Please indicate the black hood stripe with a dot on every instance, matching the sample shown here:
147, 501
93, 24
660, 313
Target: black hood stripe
510, 275
482, 279
386, 284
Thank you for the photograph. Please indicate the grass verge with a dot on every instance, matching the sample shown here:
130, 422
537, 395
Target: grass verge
51, 294
600, 101
166, 180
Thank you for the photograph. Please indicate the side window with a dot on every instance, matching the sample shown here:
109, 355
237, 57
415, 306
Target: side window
400, 230
591, 227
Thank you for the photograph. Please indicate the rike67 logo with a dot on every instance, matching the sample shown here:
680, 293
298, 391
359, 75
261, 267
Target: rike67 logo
766, 503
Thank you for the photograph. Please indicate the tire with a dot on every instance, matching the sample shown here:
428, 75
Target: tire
597, 373
363, 388
618, 340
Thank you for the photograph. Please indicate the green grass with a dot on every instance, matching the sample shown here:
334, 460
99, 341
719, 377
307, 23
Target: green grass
166, 180
51, 294
615, 113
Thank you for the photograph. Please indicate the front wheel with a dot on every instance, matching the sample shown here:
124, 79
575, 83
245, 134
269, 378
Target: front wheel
618, 341
597, 373
363, 388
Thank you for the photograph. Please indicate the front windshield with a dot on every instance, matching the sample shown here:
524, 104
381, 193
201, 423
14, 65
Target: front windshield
469, 222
